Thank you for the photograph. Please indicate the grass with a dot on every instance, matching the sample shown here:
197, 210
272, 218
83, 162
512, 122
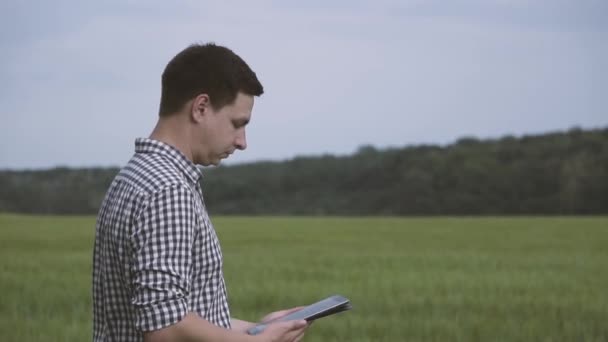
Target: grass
409, 279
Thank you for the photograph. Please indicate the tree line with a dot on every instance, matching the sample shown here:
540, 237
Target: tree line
563, 173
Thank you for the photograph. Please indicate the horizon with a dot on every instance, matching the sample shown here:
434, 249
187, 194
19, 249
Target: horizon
227, 163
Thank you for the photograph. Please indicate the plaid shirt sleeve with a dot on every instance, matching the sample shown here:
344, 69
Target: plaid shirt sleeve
161, 263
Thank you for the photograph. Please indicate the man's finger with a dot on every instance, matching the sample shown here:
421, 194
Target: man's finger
289, 326
299, 335
296, 334
299, 324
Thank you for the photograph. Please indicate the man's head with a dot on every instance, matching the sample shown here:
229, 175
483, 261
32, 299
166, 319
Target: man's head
211, 89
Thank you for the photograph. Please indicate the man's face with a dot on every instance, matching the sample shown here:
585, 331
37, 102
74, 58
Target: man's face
223, 131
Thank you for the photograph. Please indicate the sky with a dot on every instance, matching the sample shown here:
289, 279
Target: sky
81, 79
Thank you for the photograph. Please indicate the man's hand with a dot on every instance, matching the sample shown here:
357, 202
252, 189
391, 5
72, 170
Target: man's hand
243, 326
283, 331
290, 331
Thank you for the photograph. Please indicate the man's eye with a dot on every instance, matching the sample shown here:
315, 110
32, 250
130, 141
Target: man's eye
239, 124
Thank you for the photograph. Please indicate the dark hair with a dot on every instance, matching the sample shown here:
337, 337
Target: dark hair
210, 69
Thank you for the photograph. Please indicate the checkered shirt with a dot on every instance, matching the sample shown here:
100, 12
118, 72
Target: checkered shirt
156, 255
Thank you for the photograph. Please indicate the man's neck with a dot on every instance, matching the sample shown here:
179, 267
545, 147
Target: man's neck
173, 131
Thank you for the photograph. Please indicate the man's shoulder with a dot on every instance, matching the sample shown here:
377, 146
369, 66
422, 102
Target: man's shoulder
143, 179
150, 173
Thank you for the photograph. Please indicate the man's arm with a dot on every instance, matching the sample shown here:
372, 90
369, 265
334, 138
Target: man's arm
240, 325
192, 328
161, 270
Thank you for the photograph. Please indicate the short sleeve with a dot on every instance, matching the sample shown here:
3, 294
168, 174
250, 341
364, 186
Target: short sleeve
161, 263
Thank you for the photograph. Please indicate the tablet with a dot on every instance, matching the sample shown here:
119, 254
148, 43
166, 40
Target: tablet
325, 307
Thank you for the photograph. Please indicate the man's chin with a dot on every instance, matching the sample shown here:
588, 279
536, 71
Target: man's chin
217, 162
212, 162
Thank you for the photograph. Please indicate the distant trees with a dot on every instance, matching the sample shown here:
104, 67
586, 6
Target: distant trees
557, 173
54, 191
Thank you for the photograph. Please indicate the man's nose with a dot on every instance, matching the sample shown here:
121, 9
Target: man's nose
241, 141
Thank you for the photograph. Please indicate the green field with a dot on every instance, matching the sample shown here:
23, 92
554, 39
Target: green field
413, 279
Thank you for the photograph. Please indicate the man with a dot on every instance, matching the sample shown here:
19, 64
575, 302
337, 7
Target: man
157, 264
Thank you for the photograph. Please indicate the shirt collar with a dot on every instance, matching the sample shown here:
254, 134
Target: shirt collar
190, 170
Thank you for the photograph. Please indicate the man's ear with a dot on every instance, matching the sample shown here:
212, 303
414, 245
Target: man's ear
201, 106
